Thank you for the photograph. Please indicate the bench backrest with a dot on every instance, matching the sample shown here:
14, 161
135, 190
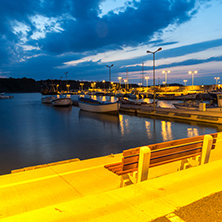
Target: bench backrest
165, 152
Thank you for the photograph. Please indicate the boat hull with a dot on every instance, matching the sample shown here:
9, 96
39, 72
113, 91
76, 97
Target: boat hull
62, 102
111, 108
47, 100
187, 107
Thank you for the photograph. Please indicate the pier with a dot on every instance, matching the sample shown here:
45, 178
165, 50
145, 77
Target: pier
85, 191
188, 115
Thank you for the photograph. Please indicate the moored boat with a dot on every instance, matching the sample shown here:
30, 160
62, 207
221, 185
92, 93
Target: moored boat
3, 96
133, 102
47, 99
96, 106
186, 106
62, 102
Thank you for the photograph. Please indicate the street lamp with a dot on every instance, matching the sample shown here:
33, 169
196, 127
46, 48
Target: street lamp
216, 78
81, 84
154, 94
192, 73
125, 80
165, 72
104, 83
120, 78
185, 81
109, 72
147, 78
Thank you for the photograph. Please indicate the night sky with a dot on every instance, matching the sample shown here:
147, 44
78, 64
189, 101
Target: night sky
43, 39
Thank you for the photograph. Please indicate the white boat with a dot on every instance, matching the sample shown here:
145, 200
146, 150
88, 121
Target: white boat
127, 101
47, 99
96, 106
196, 106
3, 96
62, 102
186, 106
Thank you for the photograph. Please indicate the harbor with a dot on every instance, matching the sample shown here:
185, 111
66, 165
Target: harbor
60, 192
111, 111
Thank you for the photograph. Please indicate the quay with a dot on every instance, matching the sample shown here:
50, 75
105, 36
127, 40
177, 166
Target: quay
188, 115
84, 190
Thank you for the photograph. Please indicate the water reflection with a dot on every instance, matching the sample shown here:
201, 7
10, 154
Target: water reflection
148, 130
166, 131
63, 110
101, 117
192, 132
32, 133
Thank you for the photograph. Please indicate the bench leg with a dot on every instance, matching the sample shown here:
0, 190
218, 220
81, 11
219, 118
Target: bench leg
144, 162
206, 149
199, 160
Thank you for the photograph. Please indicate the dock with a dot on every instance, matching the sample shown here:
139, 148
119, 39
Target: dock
188, 115
85, 191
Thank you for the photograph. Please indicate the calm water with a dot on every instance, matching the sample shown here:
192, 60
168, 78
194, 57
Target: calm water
32, 133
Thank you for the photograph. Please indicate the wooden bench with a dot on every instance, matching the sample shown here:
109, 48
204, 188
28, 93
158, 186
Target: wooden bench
137, 161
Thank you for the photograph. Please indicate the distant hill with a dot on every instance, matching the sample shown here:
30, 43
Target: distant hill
22, 85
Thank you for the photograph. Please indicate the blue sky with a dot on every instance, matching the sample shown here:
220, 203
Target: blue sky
43, 39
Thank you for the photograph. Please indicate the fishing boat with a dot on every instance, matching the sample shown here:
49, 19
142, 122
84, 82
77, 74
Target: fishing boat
3, 96
47, 99
187, 106
96, 106
126, 101
62, 102
193, 105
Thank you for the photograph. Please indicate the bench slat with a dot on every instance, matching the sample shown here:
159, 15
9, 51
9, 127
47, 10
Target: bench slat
161, 153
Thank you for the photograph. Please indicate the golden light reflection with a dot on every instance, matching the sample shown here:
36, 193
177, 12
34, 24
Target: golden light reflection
121, 123
93, 96
103, 98
192, 132
147, 125
166, 131
112, 99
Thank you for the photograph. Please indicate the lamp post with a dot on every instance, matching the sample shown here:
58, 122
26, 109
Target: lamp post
165, 72
185, 81
119, 78
109, 71
154, 90
192, 73
104, 84
81, 84
125, 80
216, 78
147, 78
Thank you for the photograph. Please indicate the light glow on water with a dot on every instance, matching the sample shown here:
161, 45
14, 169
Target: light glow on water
32, 133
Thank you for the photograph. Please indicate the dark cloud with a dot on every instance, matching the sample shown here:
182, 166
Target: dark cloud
82, 32
129, 28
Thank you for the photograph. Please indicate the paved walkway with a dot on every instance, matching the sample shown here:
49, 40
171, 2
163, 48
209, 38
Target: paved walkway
86, 191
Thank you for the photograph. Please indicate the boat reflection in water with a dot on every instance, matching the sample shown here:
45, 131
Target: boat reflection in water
101, 117
63, 109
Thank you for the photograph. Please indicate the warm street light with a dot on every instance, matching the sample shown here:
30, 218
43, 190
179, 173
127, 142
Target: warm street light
125, 80
185, 81
104, 83
109, 72
119, 78
81, 84
165, 72
147, 78
154, 89
67, 86
216, 78
192, 73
